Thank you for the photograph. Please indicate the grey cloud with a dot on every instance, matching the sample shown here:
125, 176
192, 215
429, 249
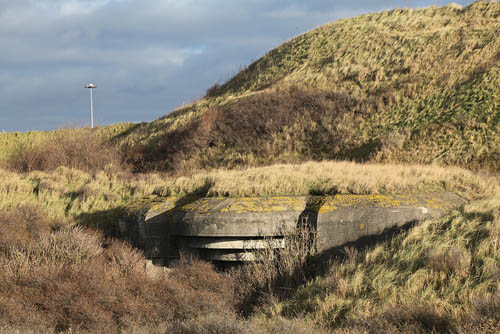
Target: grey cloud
146, 57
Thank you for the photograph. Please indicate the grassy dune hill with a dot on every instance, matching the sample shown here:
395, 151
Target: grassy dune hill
404, 85
413, 86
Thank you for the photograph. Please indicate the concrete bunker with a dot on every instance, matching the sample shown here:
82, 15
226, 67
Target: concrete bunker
231, 229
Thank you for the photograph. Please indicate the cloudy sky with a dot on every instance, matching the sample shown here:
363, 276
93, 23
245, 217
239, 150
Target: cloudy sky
146, 57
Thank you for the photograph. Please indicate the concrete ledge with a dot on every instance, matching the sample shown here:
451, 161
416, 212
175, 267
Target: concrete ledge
235, 243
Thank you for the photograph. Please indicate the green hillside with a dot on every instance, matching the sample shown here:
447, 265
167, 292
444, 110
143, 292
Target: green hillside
405, 85
419, 86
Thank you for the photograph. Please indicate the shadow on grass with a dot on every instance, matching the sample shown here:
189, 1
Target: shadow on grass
107, 221
317, 265
125, 133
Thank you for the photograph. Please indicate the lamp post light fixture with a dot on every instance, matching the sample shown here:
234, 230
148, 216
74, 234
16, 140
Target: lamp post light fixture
91, 86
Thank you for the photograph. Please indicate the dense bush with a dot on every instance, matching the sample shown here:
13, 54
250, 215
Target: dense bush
84, 150
260, 129
58, 278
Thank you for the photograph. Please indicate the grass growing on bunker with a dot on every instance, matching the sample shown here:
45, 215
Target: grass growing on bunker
332, 177
96, 198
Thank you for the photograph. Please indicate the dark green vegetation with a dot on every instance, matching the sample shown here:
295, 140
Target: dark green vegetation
395, 87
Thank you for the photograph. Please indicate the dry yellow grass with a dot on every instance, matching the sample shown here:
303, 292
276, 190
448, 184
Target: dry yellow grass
448, 265
97, 199
414, 86
329, 177
440, 276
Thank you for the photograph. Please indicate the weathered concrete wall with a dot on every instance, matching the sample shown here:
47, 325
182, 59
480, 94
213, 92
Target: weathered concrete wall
228, 228
347, 218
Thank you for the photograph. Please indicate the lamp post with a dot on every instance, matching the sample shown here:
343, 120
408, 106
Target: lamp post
91, 86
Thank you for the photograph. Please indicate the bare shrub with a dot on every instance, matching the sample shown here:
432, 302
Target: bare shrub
450, 261
108, 292
420, 318
58, 249
253, 130
276, 272
202, 286
73, 280
130, 261
84, 150
214, 323
213, 90
20, 225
